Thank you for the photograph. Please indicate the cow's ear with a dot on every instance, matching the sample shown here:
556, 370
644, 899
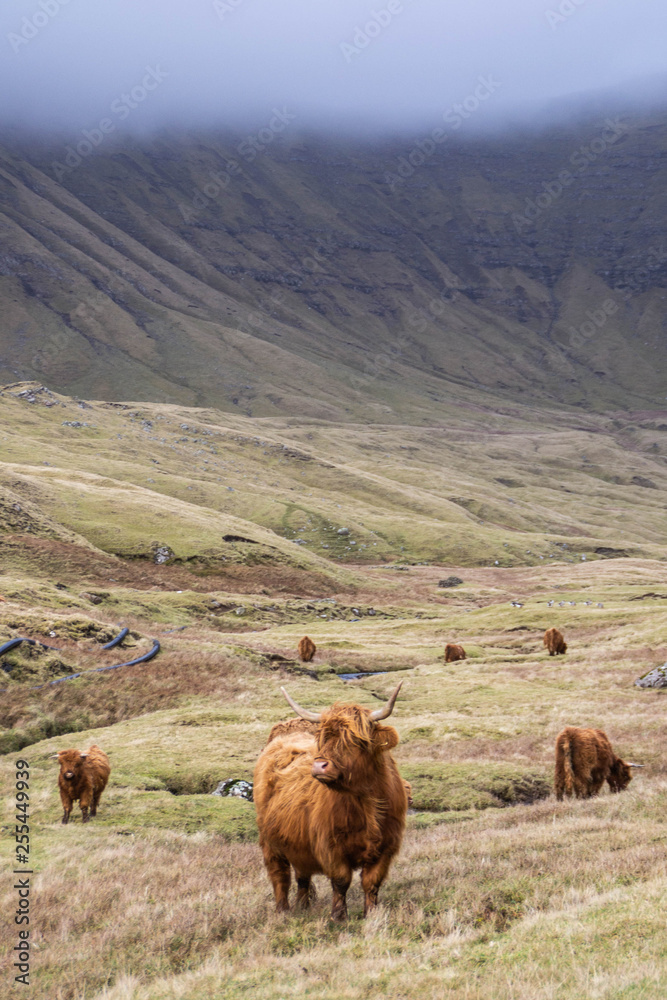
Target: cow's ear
386, 737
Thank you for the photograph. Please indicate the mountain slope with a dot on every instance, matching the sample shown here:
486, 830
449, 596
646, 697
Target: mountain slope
317, 280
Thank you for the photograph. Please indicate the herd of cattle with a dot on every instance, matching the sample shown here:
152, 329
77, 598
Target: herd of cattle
553, 641
329, 796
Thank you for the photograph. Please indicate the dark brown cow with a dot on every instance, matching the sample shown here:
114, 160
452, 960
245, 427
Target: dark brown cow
585, 760
330, 803
454, 652
307, 649
83, 776
554, 641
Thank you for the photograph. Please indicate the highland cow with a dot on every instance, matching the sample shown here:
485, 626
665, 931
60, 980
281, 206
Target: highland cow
83, 776
330, 802
454, 652
584, 761
307, 649
554, 641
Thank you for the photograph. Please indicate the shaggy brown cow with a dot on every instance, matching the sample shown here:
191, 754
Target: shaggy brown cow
83, 776
307, 649
584, 761
554, 641
330, 803
454, 652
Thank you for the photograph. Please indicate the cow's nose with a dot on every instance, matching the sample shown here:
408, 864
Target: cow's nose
319, 767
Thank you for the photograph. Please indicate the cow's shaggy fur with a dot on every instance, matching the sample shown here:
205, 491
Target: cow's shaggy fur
330, 802
291, 726
454, 652
307, 649
584, 761
554, 641
83, 776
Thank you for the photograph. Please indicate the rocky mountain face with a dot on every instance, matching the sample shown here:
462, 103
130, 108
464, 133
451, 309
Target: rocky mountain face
378, 281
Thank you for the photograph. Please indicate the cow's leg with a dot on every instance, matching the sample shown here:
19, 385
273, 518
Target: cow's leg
340, 883
67, 806
559, 783
279, 872
96, 801
371, 880
304, 891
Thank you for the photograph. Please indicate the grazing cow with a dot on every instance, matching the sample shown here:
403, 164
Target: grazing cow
584, 761
554, 641
307, 649
331, 802
454, 652
83, 776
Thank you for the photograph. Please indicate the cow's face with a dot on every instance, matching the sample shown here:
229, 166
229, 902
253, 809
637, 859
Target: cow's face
348, 742
71, 762
620, 775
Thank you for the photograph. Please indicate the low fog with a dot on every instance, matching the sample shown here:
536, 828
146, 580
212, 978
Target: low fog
343, 64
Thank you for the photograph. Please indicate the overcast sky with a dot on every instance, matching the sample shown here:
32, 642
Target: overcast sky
392, 63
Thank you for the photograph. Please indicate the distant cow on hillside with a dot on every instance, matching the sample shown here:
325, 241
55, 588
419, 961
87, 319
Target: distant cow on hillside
554, 641
454, 652
584, 761
83, 776
307, 649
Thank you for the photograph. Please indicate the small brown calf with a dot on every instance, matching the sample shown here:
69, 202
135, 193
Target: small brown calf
83, 776
454, 652
307, 649
554, 641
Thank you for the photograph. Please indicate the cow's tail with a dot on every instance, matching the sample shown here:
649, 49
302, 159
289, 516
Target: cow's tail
564, 768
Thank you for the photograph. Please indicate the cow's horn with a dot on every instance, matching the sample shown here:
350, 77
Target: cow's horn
51, 756
636, 765
303, 712
384, 713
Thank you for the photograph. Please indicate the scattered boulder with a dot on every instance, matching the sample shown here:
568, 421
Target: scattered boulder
236, 787
655, 678
451, 581
93, 598
162, 553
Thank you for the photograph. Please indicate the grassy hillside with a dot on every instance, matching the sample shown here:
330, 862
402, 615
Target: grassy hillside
277, 499
499, 890
317, 280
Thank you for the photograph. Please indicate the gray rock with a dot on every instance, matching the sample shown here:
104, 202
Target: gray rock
451, 581
162, 553
655, 678
236, 787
